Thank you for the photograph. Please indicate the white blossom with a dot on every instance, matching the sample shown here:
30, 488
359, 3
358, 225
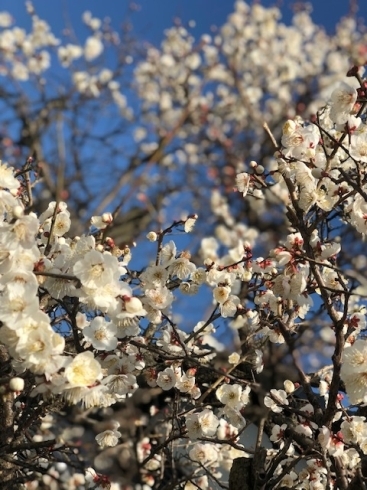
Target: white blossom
201, 424
93, 48
166, 379
342, 102
277, 398
108, 438
101, 334
83, 370
96, 269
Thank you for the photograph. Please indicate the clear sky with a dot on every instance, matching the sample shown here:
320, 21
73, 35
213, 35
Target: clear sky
156, 15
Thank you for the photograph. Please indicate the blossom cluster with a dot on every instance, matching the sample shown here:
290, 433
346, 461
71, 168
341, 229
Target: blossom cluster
81, 326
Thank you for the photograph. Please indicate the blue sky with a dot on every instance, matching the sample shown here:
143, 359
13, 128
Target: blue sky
156, 15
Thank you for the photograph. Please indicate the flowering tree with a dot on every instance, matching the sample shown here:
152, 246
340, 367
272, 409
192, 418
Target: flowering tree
95, 352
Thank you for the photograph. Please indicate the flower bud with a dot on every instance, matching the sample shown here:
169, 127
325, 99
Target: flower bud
16, 384
246, 276
289, 386
152, 236
18, 211
317, 173
234, 358
133, 305
107, 218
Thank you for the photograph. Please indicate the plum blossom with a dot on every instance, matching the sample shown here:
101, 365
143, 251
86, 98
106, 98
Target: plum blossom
21, 233
233, 396
333, 443
354, 429
166, 379
155, 275
121, 385
61, 224
101, 334
278, 433
228, 308
358, 211
108, 438
93, 48
205, 453
358, 146
243, 181
83, 370
186, 384
342, 101
37, 342
181, 268
235, 418
7, 179
354, 371
201, 424
97, 269
68, 53
300, 141
221, 294
168, 253
172, 339
159, 297
277, 398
